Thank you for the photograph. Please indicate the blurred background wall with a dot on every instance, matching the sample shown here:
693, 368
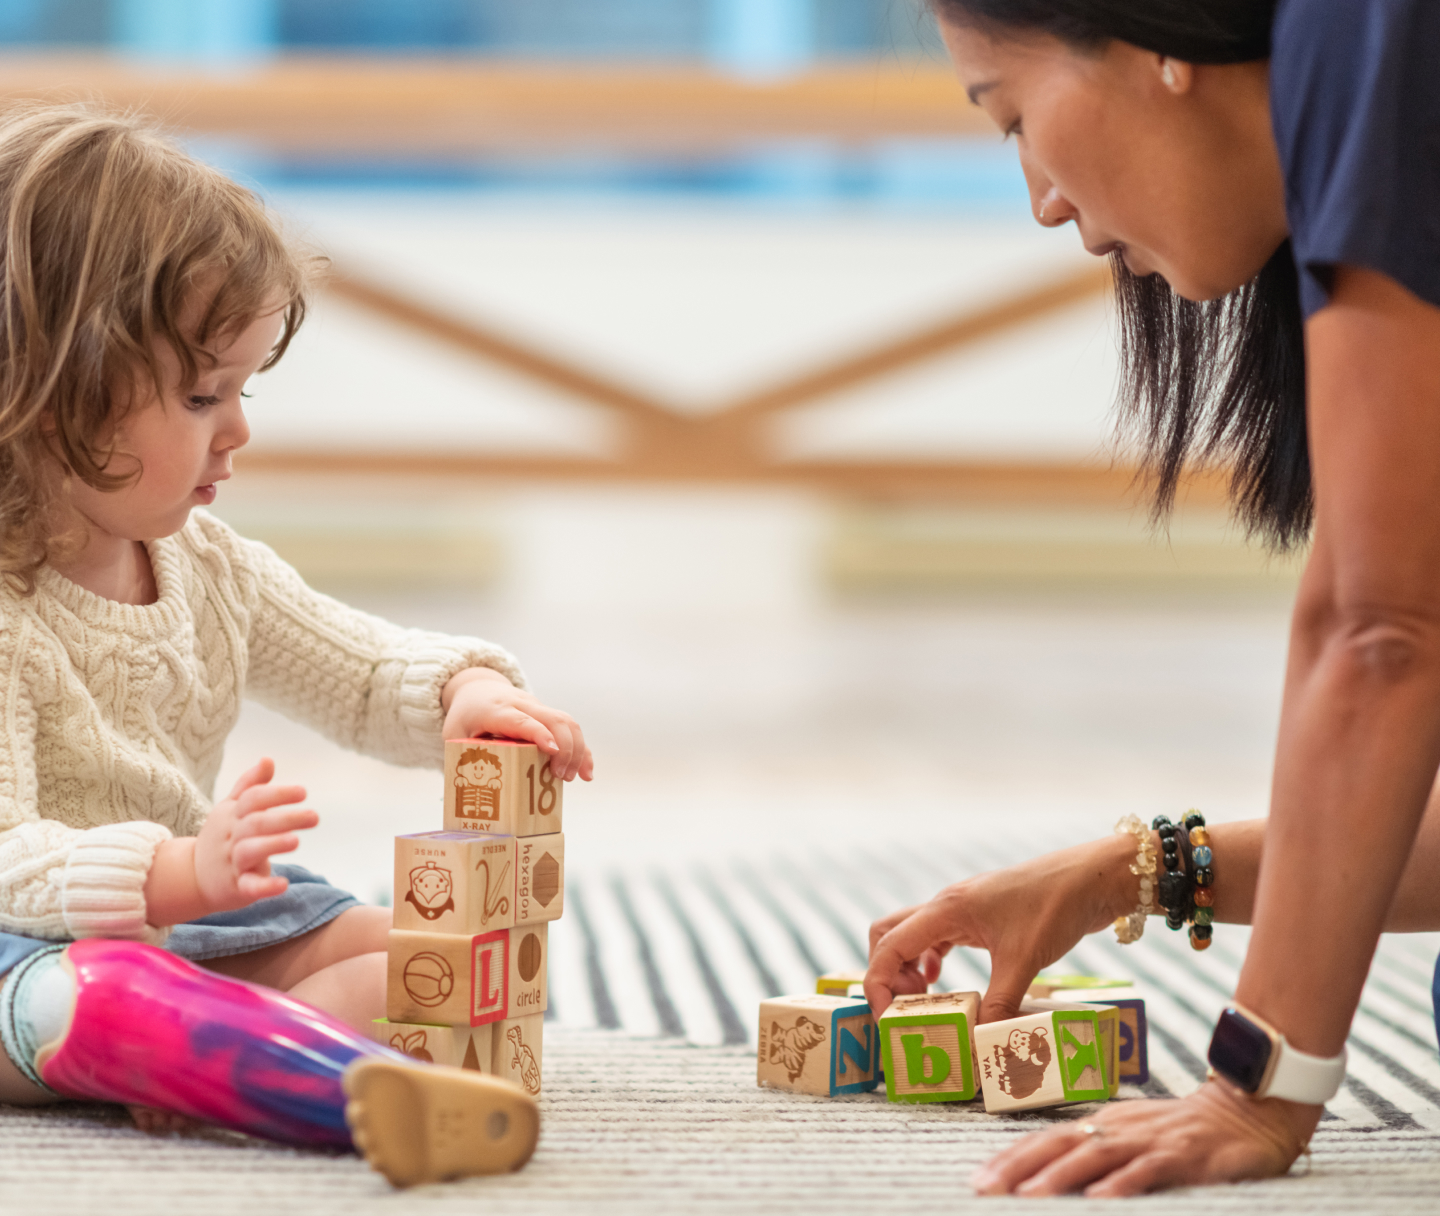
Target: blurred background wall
705, 353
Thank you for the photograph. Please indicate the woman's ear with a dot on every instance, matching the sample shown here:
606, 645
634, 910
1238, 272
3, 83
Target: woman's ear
1175, 74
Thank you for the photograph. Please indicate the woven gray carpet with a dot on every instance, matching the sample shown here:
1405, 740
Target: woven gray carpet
650, 1101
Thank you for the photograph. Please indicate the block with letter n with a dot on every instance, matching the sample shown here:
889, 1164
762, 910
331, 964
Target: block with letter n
823, 1045
926, 1047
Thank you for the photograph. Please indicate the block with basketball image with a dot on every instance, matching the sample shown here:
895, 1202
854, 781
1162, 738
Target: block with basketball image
1043, 1058
518, 1050
813, 1044
926, 1044
462, 1046
501, 787
456, 882
448, 978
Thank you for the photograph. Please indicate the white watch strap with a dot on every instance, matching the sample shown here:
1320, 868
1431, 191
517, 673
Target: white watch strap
1300, 1077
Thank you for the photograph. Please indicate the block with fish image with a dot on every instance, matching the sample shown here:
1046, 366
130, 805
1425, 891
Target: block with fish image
822, 1045
501, 787
1043, 1058
460, 1046
927, 1049
455, 882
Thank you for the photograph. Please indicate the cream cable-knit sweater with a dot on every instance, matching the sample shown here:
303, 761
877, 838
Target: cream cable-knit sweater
115, 716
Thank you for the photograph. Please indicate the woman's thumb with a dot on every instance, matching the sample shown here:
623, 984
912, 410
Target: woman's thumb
1008, 985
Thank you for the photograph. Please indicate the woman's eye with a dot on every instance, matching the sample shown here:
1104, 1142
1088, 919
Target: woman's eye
199, 403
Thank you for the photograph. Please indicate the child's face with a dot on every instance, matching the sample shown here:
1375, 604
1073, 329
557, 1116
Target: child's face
182, 441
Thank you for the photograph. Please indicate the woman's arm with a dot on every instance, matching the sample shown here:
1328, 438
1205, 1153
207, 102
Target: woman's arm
1358, 751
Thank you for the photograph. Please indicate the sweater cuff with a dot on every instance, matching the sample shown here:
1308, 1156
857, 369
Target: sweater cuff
103, 891
429, 669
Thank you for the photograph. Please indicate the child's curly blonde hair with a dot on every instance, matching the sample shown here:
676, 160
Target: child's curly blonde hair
110, 234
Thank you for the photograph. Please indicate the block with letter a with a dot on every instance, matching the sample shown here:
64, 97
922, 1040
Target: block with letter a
927, 1045
501, 787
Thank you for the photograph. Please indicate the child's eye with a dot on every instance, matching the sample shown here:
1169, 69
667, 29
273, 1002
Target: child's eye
199, 403
1012, 129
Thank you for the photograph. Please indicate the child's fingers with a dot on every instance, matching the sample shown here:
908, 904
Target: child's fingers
261, 886
263, 797
254, 851
517, 724
275, 820
259, 773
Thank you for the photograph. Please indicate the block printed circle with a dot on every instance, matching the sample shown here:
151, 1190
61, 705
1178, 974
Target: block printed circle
546, 882
429, 979
529, 958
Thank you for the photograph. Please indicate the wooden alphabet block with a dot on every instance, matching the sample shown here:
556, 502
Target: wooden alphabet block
517, 1049
1109, 1031
837, 983
1133, 1031
500, 787
529, 961
1042, 1059
1072, 987
823, 1045
448, 978
926, 1042
540, 889
455, 882
461, 1046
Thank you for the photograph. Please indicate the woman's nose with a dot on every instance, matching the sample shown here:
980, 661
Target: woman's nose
1054, 209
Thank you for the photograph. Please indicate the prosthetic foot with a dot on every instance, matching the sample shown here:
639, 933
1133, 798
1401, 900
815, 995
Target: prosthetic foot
150, 1029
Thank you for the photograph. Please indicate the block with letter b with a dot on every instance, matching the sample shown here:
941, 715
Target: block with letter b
824, 1045
462, 1046
1042, 1058
501, 787
926, 1044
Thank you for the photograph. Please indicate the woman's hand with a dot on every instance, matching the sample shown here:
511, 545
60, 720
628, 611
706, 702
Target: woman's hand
1128, 1148
1026, 916
480, 701
228, 865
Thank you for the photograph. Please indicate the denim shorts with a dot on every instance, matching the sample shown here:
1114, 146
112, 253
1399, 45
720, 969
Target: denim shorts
306, 904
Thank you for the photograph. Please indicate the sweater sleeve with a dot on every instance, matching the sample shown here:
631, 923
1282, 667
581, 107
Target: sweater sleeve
360, 681
59, 882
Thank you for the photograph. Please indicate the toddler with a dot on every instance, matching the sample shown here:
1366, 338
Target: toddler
152, 954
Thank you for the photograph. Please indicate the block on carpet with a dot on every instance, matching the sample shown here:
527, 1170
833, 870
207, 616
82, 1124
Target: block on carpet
823, 1045
927, 1047
837, 983
1044, 1058
518, 1051
461, 1046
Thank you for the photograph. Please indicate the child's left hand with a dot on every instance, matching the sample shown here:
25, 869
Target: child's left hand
480, 701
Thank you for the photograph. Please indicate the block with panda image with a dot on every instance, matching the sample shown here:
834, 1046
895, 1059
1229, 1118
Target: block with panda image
822, 1045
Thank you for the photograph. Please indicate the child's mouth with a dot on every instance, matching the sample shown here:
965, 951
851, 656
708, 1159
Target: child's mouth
205, 494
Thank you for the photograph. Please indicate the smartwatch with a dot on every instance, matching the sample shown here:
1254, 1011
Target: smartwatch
1254, 1057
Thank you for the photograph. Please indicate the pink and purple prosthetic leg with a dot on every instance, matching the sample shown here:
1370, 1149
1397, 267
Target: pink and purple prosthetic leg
154, 1030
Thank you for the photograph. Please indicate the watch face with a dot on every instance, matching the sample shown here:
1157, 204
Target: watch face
1240, 1050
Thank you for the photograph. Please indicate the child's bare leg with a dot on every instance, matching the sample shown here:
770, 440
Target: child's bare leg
17, 1090
339, 967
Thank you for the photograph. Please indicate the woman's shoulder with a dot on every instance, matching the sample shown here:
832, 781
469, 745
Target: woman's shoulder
1355, 103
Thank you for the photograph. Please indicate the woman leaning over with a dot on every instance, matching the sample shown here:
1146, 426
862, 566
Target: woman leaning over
1265, 178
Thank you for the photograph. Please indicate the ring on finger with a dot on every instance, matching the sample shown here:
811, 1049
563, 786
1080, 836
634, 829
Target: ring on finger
1089, 1130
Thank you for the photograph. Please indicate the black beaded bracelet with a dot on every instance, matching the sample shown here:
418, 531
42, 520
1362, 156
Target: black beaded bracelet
1183, 890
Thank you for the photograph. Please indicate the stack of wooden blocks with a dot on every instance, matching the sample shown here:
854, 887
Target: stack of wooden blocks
1072, 1042
469, 949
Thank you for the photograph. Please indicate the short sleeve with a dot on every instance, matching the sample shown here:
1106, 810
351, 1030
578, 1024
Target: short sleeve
1355, 103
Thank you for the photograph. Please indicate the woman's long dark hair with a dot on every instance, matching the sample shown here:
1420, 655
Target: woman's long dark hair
1219, 379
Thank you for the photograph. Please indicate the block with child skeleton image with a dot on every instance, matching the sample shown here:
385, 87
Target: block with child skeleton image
926, 1047
823, 1045
501, 787
1043, 1058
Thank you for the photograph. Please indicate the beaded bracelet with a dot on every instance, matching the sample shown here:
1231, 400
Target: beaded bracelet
1129, 928
1184, 889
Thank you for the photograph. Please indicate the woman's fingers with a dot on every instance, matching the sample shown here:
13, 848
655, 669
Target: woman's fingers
883, 926
1023, 1159
927, 927
1148, 1172
1092, 1158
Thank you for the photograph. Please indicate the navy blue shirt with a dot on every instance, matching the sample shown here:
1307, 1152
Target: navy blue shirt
1355, 103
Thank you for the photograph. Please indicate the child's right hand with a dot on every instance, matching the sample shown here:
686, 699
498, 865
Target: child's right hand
228, 865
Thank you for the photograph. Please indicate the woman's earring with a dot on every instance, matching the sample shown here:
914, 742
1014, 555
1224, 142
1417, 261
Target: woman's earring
1167, 74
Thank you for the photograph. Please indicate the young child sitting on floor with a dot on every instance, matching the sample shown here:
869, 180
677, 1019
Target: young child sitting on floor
139, 292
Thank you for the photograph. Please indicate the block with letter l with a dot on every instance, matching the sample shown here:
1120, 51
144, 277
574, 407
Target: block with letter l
926, 1041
